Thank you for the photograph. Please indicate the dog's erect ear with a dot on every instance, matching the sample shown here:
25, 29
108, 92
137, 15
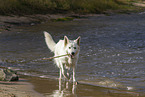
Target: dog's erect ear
78, 40
66, 40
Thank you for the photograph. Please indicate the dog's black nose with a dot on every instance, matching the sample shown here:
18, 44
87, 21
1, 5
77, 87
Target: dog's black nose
72, 53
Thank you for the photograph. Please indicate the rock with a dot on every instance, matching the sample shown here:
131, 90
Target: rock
8, 75
2, 75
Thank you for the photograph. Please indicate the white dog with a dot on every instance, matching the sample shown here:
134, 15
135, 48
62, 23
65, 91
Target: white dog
63, 47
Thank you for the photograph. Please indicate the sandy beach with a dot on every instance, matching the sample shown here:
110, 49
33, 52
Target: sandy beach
19, 88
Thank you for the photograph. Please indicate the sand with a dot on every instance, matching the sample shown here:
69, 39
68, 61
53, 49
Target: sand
19, 88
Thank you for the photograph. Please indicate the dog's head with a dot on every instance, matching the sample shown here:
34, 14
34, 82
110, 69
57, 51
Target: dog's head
72, 46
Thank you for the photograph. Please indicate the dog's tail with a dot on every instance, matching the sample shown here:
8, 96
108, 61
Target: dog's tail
49, 41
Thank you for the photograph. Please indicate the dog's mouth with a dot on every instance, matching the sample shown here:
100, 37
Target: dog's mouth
72, 56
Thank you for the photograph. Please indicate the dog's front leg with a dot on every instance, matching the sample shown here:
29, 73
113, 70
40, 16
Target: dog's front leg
74, 75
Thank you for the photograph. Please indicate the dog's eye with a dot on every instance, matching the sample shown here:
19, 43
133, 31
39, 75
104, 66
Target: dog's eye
75, 48
69, 47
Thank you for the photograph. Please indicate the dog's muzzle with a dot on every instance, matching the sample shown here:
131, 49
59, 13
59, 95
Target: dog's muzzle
72, 55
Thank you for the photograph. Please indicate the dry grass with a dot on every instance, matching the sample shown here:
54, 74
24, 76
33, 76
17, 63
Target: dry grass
58, 6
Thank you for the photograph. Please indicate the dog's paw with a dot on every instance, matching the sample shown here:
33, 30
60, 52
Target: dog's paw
75, 83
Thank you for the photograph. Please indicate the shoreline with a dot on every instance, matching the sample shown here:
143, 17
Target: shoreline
21, 88
49, 87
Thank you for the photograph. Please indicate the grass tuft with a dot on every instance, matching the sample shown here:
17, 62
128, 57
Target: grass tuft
63, 19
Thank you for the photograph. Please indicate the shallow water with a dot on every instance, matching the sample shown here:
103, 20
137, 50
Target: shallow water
112, 50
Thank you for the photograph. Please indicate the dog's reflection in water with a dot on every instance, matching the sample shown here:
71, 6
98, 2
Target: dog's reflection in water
66, 89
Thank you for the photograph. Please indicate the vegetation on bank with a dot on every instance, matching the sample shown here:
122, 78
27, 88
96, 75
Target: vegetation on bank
21, 7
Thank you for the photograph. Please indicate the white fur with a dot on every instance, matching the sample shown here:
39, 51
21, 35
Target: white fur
63, 47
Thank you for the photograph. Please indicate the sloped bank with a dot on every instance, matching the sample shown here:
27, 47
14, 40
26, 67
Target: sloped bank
8, 75
12, 86
8, 23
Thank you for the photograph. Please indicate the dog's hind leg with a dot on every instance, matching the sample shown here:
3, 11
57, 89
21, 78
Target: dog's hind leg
60, 74
68, 74
60, 68
63, 72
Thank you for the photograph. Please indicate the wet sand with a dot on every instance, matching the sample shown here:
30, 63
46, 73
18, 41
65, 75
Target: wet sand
54, 88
